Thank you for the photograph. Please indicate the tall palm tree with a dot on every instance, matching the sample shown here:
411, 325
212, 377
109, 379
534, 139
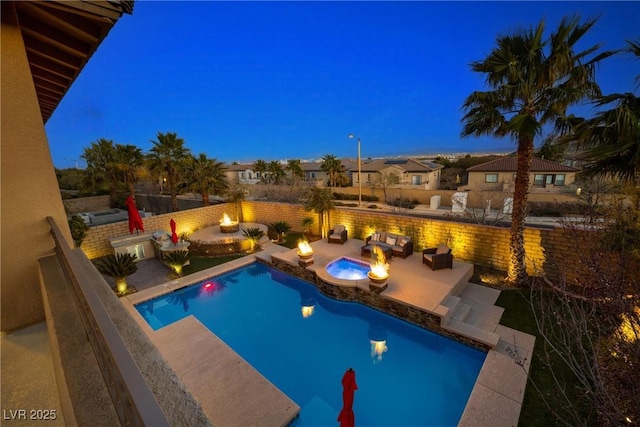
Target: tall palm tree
102, 167
295, 167
532, 82
129, 161
332, 166
612, 136
167, 158
320, 201
204, 175
276, 172
260, 167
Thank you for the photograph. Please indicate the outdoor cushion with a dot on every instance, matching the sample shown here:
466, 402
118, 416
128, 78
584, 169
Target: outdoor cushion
390, 241
375, 237
403, 241
338, 229
442, 249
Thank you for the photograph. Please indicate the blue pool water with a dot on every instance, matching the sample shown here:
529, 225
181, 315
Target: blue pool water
414, 378
347, 268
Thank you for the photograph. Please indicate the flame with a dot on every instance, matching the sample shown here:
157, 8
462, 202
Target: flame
307, 310
377, 348
379, 266
225, 220
304, 248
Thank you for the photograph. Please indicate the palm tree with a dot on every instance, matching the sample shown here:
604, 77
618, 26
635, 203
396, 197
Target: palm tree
204, 176
102, 167
276, 172
167, 158
236, 195
532, 82
321, 202
295, 167
612, 137
260, 167
129, 160
253, 235
332, 166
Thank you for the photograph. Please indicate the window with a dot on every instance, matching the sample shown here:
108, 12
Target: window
559, 179
491, 177
538, 179
368, 177
313, 175
416, 180
241, 175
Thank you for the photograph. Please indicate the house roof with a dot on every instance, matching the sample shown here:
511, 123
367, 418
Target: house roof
510, 164
239, 167
60, 37
408, 165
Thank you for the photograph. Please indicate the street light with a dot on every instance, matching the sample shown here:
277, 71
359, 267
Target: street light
359, 171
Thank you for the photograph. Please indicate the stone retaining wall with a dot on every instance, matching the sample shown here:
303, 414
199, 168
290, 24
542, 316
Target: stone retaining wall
374, 300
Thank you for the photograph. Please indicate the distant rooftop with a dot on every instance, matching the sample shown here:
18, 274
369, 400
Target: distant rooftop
510, 164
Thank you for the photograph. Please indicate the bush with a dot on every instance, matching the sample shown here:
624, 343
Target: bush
405, 203
556, 209
78, 229
351, 205
365, 198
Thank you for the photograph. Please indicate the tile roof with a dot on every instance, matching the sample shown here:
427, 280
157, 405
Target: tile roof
510, 164
407, 165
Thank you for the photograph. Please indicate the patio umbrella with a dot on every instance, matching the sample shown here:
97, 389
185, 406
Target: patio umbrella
135, 222
349, 386
174, 236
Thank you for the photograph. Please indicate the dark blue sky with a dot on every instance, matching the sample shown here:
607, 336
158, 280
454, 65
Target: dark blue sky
276, 80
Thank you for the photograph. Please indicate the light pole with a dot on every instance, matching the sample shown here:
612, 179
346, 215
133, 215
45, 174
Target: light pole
359, 171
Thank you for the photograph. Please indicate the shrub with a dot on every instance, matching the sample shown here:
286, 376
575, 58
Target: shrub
253, 234
175, 260
78, 229
119, 266
405, 203
278, 229
365, 198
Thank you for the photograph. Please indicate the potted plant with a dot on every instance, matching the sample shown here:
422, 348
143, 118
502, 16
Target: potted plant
119, 266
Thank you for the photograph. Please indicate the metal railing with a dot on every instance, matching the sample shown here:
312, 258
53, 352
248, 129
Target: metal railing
134, 402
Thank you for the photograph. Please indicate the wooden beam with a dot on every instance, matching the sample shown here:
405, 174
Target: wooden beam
63, 20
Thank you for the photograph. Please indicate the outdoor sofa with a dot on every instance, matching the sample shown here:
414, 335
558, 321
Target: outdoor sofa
400, 245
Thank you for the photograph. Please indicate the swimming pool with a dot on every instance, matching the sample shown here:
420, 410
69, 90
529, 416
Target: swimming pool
303, 342
348, 268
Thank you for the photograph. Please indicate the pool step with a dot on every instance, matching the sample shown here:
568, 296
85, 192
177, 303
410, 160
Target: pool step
461, 312
473, 332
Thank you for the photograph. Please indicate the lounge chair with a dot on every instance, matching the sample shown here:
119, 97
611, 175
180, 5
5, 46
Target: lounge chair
437, 258
338, 234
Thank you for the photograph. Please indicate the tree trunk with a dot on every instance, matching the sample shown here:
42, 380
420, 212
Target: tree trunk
174, 196
517, 266
113, 196
132, 190
205, 198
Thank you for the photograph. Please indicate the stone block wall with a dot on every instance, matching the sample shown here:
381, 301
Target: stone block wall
87, 204
479, 244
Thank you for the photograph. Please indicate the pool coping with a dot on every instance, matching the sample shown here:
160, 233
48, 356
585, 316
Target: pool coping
496, 398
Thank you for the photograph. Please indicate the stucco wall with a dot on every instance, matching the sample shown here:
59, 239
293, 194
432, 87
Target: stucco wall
29, 188
87, 204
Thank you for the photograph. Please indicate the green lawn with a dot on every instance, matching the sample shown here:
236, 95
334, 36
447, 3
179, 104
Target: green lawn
198, 263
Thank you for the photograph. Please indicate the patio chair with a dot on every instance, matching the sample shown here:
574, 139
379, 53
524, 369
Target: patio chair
437, 258
338, 234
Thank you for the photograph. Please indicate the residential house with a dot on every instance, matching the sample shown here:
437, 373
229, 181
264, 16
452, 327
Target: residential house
410, 173
314, 174
242, 174
500, 175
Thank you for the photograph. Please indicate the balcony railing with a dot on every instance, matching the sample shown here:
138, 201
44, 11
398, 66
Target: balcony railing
134, 402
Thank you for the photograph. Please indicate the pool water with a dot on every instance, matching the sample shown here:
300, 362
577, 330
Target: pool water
303, 342
347, 268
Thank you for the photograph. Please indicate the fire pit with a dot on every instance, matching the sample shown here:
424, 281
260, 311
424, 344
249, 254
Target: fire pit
227, 226
379, 273
305, 253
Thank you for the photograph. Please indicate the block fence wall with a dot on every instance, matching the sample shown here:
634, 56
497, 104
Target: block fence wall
87, 204
480, 244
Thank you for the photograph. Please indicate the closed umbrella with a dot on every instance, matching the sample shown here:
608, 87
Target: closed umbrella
135, 222
174, 236
349, 386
